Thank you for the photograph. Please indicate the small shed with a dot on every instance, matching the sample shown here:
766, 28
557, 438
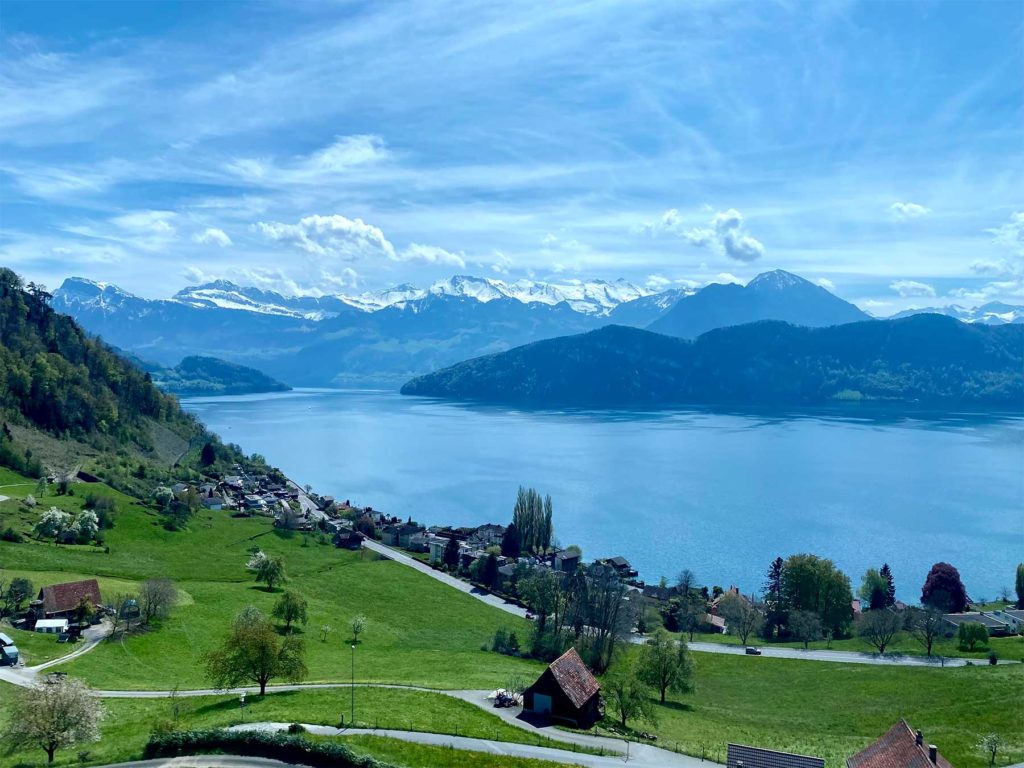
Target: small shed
566, 691
8, 655
5, 640
52, 626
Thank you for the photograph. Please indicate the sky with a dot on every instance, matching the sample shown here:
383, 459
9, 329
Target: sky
323, 147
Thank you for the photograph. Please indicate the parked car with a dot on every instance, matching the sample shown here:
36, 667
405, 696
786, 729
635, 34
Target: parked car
751, 651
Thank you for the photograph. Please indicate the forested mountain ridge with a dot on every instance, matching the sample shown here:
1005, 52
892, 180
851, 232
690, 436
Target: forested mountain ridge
68, 398
199, 376
925, 359
61, 381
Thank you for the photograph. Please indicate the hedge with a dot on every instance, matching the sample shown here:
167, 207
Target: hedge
277, 746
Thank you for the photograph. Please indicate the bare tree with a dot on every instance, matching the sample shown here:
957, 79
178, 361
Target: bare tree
742, 616
53, 715
157, 598
926, 627
879, 627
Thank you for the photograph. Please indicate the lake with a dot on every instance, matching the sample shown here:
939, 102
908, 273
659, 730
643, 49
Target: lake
719, 493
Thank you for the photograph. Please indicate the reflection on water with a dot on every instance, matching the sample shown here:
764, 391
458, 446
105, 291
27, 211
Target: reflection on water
719, 491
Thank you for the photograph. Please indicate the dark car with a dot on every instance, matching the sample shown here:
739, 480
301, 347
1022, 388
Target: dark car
751, 651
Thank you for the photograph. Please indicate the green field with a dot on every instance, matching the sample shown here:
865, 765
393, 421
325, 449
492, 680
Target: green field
424, 634
833, 710
128, 722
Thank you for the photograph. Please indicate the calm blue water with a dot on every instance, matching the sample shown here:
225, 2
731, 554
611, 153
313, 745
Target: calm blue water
721, 494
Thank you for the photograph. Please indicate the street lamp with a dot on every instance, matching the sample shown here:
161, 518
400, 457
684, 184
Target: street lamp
353, 686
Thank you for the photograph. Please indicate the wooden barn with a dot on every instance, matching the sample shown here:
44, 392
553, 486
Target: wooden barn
565, 691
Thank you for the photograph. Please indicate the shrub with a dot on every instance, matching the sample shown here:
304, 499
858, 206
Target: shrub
993, 658
296, 728
11, 535
275, 746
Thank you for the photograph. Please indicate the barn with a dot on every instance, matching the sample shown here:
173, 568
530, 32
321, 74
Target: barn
565, 691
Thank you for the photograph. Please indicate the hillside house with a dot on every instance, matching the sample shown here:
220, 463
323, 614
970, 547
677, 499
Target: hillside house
899, 747
566, 691
61, 600
741, 756
489, 535
567, 561
348, 539
996, 626
621, 566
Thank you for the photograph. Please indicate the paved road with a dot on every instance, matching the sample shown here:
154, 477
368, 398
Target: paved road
844, 657
640, 755
204, 761
444, 578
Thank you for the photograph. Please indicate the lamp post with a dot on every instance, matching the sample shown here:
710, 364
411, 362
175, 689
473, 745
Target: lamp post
352, 719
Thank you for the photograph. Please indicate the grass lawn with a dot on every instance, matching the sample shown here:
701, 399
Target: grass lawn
35, 647
1006, 648
419, 632
834, 710
424, 756
128, 722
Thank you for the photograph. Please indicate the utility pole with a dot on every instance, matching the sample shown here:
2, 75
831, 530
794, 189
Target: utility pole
353, 687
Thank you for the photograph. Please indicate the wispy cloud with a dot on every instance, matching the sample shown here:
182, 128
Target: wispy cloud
905, 211
908, 288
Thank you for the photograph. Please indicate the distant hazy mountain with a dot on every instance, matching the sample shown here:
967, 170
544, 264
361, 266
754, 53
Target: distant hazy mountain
924, 359
776, 295
993, 313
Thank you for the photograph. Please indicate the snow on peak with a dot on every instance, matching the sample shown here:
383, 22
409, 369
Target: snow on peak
777, 279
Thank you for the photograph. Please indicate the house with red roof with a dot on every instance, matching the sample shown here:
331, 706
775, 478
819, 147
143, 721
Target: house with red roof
899, 747
566, 691
61, 600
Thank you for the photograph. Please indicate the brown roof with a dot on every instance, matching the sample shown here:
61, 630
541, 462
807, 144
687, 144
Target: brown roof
898, 748
59, 598
574, 678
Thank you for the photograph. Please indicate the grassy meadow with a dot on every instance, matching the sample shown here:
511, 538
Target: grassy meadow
422, 633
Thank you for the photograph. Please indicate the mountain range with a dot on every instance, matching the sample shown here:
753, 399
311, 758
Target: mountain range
383, 338
925, 359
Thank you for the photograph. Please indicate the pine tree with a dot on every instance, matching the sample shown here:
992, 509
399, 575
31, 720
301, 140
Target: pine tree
890, 590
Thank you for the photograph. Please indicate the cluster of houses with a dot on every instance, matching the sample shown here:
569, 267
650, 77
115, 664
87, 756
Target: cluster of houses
242, 492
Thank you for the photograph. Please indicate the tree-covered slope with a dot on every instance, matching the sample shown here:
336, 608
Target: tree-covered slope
197, 375
56, 378
925, 359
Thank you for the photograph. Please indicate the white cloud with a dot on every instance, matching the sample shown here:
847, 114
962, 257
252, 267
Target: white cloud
147, 222
431, 254
905, 211
1011, 234
726, 277
335, 235
726, 235
670, 221
657, 282
212, 236
908, 288
825, 283
344, 154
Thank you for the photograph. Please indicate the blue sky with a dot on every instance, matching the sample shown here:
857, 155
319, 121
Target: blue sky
876, 147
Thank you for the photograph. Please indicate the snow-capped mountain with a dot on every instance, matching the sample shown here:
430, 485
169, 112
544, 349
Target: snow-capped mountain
597, 298
993, 313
